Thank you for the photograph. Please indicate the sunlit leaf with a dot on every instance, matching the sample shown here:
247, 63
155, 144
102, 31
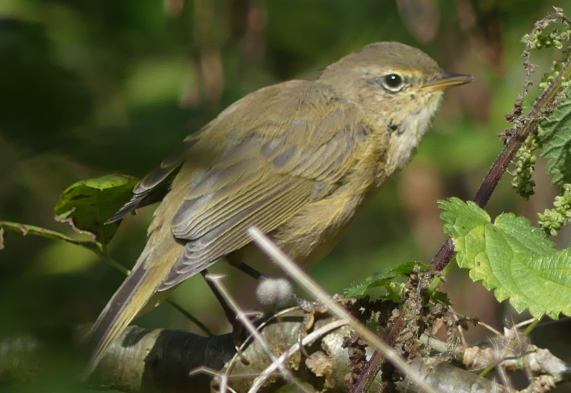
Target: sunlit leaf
87, 204
510, 257
388, 285
557, 143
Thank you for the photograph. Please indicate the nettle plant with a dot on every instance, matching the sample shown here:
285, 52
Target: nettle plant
511, 257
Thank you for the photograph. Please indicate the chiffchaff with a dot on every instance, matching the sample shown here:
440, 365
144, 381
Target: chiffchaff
296, 160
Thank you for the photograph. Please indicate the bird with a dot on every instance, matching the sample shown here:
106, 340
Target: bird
296, 159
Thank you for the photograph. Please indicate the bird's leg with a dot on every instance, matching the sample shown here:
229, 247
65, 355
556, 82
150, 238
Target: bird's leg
238, 329
249, 270
230, 314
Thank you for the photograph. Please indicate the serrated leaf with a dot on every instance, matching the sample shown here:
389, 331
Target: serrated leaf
406, 268
388, 285
556, 142
87, 204
511, 258
459, 217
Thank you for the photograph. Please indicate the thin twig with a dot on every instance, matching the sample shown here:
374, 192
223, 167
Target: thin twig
214, 374
238, 355
459, 328
374, 365
521, 324
307, 340
489, 327
262, 325
504, 377
243, 318
191, 317
524, 126
531, 327
94, 246
25, 230
312, 287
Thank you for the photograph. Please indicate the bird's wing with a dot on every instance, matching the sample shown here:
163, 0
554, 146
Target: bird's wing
155, 185
279, 149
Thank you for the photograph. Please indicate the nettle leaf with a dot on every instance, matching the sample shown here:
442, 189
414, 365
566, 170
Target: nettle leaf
87, 204
510, 257
388, 285
556, 142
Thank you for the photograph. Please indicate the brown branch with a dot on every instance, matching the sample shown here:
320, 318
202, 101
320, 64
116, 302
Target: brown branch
144, 360
301, 278
374, 365
25, 230
447, 379
147, 360
522, 128
140, 360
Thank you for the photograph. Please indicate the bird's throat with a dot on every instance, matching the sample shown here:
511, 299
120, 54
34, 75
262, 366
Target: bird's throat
404, 141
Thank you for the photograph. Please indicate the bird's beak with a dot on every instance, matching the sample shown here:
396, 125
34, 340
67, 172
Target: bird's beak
444, 80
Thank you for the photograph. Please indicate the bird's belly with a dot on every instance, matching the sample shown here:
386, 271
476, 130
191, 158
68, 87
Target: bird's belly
311, 233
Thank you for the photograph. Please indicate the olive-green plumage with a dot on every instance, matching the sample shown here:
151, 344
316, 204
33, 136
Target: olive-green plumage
296, 159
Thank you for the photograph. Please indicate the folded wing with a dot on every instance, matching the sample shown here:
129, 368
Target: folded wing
294, 149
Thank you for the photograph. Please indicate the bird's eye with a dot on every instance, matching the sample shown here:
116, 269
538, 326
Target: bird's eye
393, 82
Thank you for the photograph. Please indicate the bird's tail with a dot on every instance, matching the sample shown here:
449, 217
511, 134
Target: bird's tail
134, 293
153, 266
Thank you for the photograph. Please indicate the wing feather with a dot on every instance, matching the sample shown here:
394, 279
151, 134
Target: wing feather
266, 173
192, 224
155, 185
232, 235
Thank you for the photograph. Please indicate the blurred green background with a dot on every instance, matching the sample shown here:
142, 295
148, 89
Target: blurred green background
95, 87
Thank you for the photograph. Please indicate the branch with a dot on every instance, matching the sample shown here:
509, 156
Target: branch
306, 282
25, 230
145, 360
446, 378
524, 125
139, 360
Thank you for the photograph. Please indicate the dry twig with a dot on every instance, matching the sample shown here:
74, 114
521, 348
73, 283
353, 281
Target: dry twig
312, 287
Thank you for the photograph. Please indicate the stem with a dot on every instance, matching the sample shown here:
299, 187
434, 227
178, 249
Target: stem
531, 327
191, 317
114, 263
486, 371
374, 365
25, 229
524, 126
301, 278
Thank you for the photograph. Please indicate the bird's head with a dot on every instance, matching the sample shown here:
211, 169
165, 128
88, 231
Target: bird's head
397, 85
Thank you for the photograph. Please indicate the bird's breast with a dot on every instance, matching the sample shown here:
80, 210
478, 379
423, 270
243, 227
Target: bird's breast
317, 227
313, 232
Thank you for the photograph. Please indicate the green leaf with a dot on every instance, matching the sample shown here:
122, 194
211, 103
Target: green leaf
87, 204
512, 258
556, 142
388, 285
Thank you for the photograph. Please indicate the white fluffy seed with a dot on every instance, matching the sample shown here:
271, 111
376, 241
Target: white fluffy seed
275, 292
